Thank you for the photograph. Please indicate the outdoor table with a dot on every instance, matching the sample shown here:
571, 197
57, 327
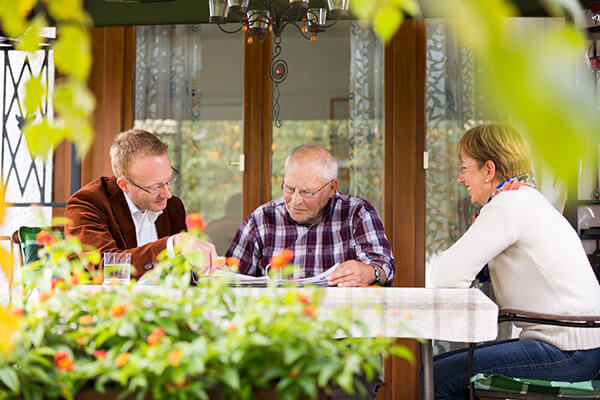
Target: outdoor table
455, 315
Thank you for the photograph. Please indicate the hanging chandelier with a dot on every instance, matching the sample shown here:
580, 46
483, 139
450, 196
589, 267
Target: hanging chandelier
274, 16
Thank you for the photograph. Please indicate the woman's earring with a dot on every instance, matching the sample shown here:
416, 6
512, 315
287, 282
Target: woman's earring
487, 180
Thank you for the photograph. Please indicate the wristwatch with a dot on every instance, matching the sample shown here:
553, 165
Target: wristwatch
377, 274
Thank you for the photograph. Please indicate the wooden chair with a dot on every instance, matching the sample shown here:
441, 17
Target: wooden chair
500, 386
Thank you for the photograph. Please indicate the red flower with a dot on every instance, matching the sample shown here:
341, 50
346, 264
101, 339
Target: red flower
100, 354
281, 259
294, 373
117, 310
55, 282
303, 299
155, 336
309, 311
194, 222
62, 361
44, 238
17, 312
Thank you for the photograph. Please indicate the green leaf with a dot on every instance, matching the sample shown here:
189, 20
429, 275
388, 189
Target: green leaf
41, 138
31, 39
72, 52
292, 353
404, 352
66, 391
13, 13
387, 21
10, 379
327, 372
34, 90
68, 10
231, 378
308, 386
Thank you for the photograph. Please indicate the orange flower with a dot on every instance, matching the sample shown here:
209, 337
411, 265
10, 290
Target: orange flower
118, 309
44, 238
100, 354
194, 222
303, 299
86, 320
74, 279
81, 341
281, 259
97, 280
122, 359
231, 328
155, 336
308, 311
232, 262
17, 312
46, 295
294, 373
62, 361
175, 357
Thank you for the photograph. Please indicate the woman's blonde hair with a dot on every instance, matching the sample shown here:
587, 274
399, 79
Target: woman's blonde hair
501, 144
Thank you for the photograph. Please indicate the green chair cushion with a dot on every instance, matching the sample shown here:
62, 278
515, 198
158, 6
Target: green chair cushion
29, 244
501, 383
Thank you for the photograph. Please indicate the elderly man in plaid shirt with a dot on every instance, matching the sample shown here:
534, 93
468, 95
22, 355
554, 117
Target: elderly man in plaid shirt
321, 226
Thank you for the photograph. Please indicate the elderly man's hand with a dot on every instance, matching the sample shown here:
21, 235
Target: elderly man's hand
189, 243
352, 273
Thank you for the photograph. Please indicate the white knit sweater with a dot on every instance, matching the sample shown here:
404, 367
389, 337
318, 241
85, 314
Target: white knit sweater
536, 263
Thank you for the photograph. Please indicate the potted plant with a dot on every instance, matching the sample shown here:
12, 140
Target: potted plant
211, 341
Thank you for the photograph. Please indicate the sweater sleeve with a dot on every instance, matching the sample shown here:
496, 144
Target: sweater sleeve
491, 233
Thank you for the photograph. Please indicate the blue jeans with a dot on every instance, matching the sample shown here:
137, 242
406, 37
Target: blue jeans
515, 358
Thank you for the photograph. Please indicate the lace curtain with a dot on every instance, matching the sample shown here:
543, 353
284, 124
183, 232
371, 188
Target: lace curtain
168, 69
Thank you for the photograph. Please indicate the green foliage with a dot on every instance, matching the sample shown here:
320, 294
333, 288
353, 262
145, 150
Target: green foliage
72, 58
386, 15
182, 342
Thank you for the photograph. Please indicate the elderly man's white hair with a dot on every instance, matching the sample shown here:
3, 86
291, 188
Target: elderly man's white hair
316, 154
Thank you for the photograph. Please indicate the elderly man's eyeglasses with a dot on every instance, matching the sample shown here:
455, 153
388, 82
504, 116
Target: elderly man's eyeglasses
156, 188
305, 194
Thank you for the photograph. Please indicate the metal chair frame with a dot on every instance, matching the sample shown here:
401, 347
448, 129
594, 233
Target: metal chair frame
510, 315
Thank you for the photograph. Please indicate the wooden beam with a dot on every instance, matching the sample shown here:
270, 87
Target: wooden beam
256, 186
112, 83
404, 120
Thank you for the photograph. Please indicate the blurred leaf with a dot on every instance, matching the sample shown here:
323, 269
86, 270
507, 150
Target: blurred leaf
231, 378
34, 91
72, 52
386, 22
68, 10
42, 137
13, 13
6, 262
31, 39
9, 377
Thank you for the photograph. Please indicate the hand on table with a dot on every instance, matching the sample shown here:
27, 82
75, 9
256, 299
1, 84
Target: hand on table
207, 260
352, 273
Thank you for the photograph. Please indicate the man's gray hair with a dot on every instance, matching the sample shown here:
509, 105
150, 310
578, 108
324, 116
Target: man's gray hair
320, 155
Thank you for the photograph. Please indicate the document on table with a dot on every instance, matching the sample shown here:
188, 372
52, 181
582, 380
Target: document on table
247, 280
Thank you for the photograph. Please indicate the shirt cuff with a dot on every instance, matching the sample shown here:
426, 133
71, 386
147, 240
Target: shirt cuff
170, 249
388, 274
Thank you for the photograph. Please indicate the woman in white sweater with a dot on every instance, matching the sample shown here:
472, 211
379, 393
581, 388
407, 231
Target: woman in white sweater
536, 263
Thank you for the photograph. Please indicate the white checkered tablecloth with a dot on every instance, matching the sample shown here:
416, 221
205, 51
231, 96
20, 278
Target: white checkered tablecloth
457, 315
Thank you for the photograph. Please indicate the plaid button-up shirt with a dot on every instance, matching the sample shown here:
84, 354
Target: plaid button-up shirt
348, 229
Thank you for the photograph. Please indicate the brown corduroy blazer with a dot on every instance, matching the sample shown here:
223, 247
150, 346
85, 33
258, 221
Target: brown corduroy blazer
101, 218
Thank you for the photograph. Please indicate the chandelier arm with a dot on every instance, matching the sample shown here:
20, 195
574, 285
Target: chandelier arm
300, 30
226, 31
327, 26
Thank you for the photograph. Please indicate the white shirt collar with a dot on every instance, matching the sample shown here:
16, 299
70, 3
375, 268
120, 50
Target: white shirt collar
138, 215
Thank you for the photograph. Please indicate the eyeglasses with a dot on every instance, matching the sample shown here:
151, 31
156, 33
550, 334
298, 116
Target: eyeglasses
156, 188
305, 194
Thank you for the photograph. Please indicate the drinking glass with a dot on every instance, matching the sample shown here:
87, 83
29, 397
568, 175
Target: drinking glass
117, 267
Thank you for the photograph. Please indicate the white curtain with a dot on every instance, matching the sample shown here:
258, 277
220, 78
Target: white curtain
169, 65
